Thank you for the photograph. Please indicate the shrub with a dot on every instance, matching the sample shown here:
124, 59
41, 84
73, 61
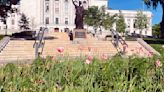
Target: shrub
154, 41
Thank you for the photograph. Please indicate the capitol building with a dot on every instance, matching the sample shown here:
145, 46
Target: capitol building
60, 14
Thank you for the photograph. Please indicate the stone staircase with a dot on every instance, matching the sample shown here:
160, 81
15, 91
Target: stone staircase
135, 48
70, 49
18, 50
22, 50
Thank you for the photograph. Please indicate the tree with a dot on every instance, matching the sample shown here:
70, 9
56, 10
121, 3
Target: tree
156, 30
108, 21
155, 3
97, 17
24, 22
91, 16
141, 21
5, 7
120, 23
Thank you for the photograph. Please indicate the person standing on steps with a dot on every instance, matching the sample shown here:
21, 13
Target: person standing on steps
71, 36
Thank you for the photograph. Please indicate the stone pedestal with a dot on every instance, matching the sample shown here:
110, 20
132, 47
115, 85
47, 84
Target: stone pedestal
79, 35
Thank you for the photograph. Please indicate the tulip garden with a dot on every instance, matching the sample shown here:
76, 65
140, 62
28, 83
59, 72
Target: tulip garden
85, 74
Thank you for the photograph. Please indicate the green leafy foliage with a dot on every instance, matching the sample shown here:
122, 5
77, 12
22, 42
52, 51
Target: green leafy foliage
141, 21
97, 17
156, 30
120, 23
5, 6
24, 22
154, 4
73, 75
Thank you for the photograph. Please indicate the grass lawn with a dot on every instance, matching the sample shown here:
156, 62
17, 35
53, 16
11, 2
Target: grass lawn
158, 47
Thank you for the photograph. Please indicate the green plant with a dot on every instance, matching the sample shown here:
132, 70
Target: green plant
72, 75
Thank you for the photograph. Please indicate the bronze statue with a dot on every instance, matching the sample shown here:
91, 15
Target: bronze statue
79, 15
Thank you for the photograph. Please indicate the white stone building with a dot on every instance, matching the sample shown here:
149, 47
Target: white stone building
60, 14
130, 17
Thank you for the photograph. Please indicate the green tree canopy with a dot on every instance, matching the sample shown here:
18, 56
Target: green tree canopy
141, 21
5, 6
154, 4
120, 23
24, 22
98, 17
156, 30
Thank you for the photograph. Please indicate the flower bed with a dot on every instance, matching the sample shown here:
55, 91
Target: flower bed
88, 74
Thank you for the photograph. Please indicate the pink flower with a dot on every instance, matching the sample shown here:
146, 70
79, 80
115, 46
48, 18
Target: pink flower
150, 54
90, 58
81, 48
88, 62
104, 56
89, 49
60, 49
158, 63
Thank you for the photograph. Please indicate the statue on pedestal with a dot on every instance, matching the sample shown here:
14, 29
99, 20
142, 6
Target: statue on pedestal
79, 14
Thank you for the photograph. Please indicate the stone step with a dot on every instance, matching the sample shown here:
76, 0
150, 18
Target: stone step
4, 60
16, 53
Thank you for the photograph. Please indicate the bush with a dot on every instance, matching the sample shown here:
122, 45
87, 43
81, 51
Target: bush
154, 41
1, 36
73, 75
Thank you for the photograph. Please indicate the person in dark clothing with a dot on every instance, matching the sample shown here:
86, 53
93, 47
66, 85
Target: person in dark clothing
71, 36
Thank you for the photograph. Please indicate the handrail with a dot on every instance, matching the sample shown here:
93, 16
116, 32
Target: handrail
147, 46
4, 42
117, 39
39, 42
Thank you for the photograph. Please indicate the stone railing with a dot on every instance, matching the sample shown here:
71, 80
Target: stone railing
4, 42
147, 46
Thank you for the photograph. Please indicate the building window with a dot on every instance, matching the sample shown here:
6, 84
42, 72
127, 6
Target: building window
146, 32
47, 20
47, 7
12, 22
66, 21
66, 6
128, 25
56, 20
57, 8
140, 32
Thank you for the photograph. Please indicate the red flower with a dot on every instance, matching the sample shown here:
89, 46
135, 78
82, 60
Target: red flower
60, 49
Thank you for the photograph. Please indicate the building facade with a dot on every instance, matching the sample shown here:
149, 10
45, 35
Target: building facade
60, 14
130, 17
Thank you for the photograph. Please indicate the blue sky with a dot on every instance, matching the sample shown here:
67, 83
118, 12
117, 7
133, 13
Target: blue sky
135, 5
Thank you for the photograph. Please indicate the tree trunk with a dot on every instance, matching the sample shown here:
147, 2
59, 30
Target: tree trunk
162, 23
